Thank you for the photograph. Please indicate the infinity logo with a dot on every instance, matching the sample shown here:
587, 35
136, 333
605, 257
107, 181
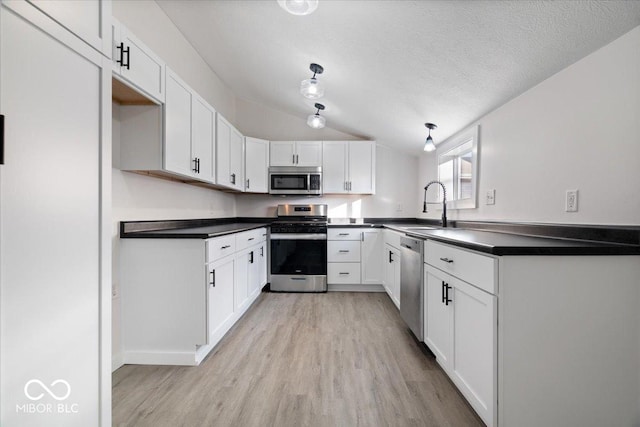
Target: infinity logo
51, 393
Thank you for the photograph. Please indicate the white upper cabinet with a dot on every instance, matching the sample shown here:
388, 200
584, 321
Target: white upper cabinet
88, 19
349, 167
256, 157
296, 153
136, 64
189, 131
203, 125
177, 125
229, 140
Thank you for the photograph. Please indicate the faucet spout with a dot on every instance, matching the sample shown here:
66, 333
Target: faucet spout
444, 201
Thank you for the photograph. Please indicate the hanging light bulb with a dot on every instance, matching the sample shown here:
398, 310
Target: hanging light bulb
312, 88
316, 121
428, 144
299, 7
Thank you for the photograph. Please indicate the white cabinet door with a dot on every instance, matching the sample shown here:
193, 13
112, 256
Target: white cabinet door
236, 160
177, 138
223, 151
228, 154
203, 139
262, 264
371, 257
282, 153
437, 317
334, 167
220, 304
87, 19
474, 346
397, 257
136, 64
256, 165
253, 280
391, 264
51, 195
241, 280
308, 153
362, 158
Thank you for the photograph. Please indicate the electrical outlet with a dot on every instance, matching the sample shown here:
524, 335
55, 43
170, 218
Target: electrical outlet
571, 202
491, 197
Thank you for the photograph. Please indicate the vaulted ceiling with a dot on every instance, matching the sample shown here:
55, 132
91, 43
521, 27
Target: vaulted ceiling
390, 66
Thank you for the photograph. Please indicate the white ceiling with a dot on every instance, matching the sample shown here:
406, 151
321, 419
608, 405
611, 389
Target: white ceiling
391, 66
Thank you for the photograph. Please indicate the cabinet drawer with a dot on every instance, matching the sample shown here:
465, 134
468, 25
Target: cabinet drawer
249, 238
343, 272
220, 247
348, 251
472, 267
344, 234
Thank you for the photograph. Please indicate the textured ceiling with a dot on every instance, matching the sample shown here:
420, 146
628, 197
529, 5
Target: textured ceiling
391, 66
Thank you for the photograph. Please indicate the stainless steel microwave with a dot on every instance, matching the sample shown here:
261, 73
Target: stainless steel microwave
302, 181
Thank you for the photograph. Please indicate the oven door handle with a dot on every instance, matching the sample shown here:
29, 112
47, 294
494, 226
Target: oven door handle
298, 236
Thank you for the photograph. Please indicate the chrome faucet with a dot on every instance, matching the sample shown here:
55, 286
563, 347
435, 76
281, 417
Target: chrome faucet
444, 202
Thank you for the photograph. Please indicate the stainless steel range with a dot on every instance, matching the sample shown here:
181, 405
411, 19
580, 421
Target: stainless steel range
299, 249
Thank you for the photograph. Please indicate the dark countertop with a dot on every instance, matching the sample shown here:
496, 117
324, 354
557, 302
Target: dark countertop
499, 243
492, 240
204, 232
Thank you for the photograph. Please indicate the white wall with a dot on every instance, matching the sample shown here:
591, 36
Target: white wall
579, 129
395, 193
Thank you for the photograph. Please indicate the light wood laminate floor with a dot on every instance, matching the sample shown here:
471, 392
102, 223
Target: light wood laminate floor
335, 359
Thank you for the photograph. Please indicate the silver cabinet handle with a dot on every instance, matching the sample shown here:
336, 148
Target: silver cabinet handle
248, 183
225, 247
233, 178
297, 159
343, 234
213, 278
447, 260
293, 159
250, 239
343, 251
343, 274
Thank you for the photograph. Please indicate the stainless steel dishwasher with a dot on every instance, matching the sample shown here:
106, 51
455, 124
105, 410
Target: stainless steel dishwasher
411, 290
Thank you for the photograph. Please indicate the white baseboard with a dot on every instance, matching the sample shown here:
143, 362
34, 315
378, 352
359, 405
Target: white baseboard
116, 362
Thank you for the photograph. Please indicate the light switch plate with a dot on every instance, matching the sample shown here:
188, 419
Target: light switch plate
491, 197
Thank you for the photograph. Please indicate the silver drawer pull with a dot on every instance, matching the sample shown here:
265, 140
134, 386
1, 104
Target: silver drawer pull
250, 239
343, 251
344, 234
344, 274
225, 247
447, 260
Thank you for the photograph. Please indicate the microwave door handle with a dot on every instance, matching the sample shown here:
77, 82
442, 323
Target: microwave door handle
308, 183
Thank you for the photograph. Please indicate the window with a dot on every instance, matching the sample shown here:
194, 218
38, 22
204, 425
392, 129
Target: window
458, 169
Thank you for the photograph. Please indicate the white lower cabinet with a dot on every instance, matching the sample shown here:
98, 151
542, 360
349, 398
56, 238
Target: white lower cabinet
180, 296
220, 304
392, 273
461, 328
391, 265
354, 259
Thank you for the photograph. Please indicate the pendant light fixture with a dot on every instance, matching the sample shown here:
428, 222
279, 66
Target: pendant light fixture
428, 144
299, 7
312, 88
316, 121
